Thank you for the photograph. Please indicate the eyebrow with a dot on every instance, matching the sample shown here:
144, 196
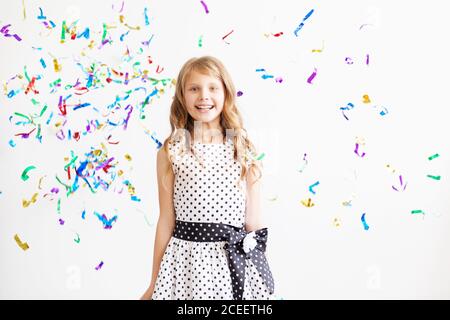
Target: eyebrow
196, 84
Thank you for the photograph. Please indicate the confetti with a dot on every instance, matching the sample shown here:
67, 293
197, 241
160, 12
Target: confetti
107, 224
300, 26
43, 63
26, 203
363, 25
434, 177
6, 33
319, 50
312, 186
349, 60
357, 152
279, 79
223, 38
312, 76
24, 11
384, 112
200, 40
366, 98
146, 16
307, 203
21, 244
417, 212
401, 184
347, 203
305, 162
205, 6
239, 93
24, 175
336, 222
363, 220
61, 221
77, 240
99, 266
434, 156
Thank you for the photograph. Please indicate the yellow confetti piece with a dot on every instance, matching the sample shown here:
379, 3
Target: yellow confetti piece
366, 98
128, 157
26, 203
21, 244
390, 168
307, 203
336, 222
56, 65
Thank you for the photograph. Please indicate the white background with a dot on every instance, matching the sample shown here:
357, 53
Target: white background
400, 256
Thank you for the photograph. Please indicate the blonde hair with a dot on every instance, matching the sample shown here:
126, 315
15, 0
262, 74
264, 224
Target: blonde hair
230, 117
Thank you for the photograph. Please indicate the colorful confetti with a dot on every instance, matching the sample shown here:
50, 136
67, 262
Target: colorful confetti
307, 203
300, 26
313, 186
204, 6
24, 175
363, 220
23, 245
99, 266
312, 76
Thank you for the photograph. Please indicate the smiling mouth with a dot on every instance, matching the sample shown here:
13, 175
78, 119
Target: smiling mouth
204, 107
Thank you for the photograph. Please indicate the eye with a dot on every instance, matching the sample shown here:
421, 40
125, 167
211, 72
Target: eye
193, 89
214, 88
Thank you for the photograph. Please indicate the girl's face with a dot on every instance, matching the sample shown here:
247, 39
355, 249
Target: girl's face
204, 97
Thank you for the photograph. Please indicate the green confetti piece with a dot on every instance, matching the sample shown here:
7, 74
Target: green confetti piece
261, 156
104, 32
417, 211
59, 205
70, 163
433, 156
63, 31
434, 177
25, 172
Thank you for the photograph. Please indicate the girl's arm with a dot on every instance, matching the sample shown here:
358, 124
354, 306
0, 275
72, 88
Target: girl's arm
253, 207
166, 221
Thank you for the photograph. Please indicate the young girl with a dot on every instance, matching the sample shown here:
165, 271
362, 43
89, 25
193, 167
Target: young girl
209, 243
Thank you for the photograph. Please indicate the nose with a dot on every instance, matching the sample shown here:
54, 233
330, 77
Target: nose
204, 94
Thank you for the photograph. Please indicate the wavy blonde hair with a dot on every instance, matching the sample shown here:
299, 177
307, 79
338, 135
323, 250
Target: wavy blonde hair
230, 117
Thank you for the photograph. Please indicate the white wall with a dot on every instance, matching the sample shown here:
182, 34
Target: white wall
401, 255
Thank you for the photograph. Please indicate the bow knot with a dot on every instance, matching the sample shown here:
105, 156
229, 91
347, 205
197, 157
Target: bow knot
240, 246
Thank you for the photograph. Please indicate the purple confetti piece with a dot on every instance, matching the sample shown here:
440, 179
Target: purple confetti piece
99, 266
312, 76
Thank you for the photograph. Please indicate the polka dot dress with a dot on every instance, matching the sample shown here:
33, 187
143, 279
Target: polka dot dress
206, 189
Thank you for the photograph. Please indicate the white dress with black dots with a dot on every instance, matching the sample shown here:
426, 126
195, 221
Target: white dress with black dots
208, 193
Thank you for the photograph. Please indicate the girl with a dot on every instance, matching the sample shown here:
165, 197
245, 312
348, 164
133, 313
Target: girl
209, 243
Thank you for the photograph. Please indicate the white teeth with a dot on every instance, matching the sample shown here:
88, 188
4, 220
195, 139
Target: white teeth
204, 107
